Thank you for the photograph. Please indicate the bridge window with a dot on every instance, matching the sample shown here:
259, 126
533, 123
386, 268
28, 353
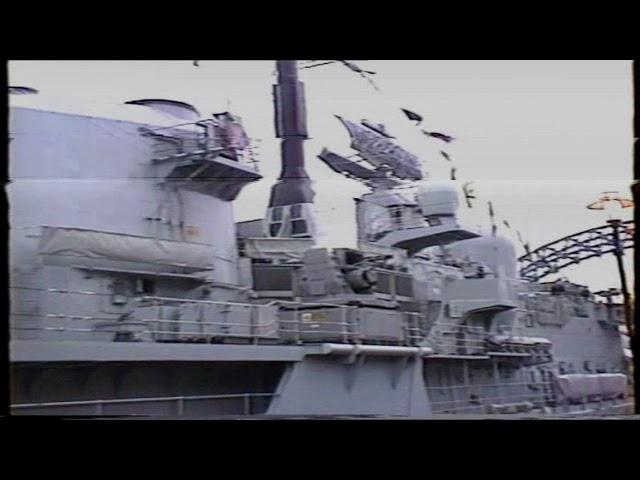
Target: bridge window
274, 229
288, 220
298, 227
276, 214
296, 211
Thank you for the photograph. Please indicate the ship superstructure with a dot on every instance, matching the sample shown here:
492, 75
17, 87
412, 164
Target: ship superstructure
133, 290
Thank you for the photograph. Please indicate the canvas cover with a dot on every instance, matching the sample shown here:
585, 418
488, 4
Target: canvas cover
280, 248
521, 340
95, 244
612, 385
579, 387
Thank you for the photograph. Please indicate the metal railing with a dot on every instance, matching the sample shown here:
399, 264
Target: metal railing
453, 406
181, 402
257, 324
456, 339
482, 397
174, 146
448, 338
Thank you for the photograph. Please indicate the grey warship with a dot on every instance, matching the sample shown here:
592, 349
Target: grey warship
135, 292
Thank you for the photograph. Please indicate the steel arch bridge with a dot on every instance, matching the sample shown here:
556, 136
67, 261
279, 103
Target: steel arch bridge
573, 249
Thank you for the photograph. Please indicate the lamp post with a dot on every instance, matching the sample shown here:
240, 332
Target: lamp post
619, 253
613, 204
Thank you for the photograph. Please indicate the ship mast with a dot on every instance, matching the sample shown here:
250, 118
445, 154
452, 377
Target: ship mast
293, 186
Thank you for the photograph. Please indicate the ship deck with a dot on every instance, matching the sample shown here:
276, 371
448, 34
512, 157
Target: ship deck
79, 351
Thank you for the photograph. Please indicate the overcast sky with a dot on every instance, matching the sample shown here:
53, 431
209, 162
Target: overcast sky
540, 139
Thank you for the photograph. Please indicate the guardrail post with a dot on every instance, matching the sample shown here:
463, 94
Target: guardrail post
180, 406
345, 333
392, 286
496, 379
252, 327
296, 318
99, 409
247, 404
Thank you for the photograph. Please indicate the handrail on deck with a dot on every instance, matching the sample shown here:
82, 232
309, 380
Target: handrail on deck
100, 404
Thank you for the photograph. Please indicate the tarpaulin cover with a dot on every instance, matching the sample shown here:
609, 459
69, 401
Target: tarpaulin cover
285, 248
227, 319
612, 385
521, 340
577, 387
94, 244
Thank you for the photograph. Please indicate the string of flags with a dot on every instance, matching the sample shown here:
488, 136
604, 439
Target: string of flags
494, 227
439, 136
366, 74
352, 66
363, 73
318, 64
523, 243
467, 189
418, 119
445, 155
413, 116
468, 192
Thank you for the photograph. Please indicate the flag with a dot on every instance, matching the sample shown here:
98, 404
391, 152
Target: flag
412, 116
363, 73
468, 193
439, 136
317, 64
494, 227
519, 237
527, 248
506, 224
195, 63
353, 67
22, 91
445, 155
453, 173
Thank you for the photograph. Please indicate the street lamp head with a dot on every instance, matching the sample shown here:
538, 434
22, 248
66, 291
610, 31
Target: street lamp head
613, 204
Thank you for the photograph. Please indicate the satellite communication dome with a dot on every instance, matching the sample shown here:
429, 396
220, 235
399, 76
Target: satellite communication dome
437, 199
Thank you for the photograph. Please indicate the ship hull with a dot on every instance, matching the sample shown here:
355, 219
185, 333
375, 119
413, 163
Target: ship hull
228, 381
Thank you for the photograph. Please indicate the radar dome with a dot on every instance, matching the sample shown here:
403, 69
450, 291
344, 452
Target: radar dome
437, 199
